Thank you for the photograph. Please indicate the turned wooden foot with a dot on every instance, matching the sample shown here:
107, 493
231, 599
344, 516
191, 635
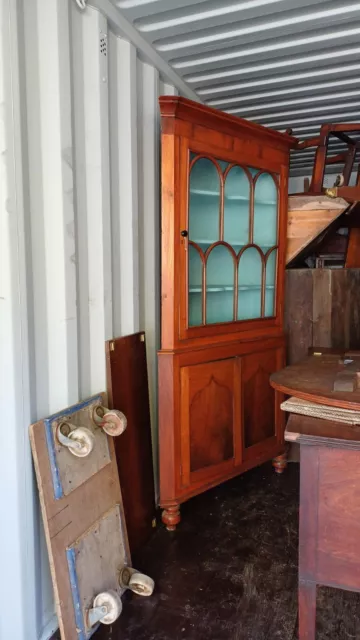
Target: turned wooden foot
280, 462
171, 517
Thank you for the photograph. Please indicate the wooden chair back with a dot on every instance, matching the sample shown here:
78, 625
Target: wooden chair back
343, 132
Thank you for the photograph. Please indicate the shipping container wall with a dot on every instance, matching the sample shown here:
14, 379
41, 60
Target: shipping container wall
79, 202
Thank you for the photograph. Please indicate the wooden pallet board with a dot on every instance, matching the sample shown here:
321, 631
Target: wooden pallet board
85, 527
65, 475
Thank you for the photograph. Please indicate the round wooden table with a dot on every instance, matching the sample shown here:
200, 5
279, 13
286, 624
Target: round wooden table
329, 533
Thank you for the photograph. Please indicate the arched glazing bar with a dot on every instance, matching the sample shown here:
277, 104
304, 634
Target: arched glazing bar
206, 195
251, 270
265, 210
270, 282
220, 269
196, 285
233, 232
238, 198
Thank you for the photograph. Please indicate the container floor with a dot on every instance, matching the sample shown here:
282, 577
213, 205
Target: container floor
230, 570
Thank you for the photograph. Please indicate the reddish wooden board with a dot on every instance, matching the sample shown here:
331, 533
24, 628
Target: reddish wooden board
128, 391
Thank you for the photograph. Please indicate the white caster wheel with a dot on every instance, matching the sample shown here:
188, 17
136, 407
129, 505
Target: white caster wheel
108, 605
137, 582
113, 422
86, 440
80, 440
339, 182
141, 584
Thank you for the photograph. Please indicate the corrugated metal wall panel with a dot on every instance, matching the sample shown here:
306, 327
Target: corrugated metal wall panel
80, 226
79, 197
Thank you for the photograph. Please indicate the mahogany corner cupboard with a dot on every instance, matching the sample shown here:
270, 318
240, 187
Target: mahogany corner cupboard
224, 215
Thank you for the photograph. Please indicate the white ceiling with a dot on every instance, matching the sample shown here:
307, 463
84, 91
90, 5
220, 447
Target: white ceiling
281, 63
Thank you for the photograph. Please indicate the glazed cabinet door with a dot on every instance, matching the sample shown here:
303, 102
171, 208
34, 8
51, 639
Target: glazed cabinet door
210, 419
262, 417
232, 244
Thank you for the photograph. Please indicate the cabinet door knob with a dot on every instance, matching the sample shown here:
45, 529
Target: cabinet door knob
184, 233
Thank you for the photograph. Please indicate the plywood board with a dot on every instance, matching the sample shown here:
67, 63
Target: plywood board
79, 525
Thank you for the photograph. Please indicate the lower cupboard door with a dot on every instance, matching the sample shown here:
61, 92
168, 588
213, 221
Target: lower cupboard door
258, 401
210, 420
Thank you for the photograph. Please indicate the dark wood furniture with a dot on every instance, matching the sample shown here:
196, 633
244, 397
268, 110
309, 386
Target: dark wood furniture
343, 132
329, 552
346, 156
224, 214
128, 391
348, 134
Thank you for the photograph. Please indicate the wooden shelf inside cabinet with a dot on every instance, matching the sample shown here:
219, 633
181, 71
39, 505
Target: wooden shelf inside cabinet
231, 198
224, 207
235, 244
229, 287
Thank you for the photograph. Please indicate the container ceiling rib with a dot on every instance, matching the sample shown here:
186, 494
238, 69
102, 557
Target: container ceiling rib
280, 63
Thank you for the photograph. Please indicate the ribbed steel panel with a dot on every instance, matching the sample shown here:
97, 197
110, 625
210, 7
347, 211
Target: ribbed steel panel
281, 63
79, 247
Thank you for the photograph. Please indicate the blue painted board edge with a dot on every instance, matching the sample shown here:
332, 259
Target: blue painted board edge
55, 474
123, 533
82, 634
57, 486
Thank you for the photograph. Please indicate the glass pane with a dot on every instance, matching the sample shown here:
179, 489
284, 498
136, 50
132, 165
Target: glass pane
220, 285
236, 208
249, 283
265, 212
270, 284
205, 230
204, 203
195, 287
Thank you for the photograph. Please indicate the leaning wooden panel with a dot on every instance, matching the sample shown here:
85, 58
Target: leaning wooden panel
128, 391
75, 517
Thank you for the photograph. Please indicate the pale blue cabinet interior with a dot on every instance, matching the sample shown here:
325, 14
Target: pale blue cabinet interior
232, 242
